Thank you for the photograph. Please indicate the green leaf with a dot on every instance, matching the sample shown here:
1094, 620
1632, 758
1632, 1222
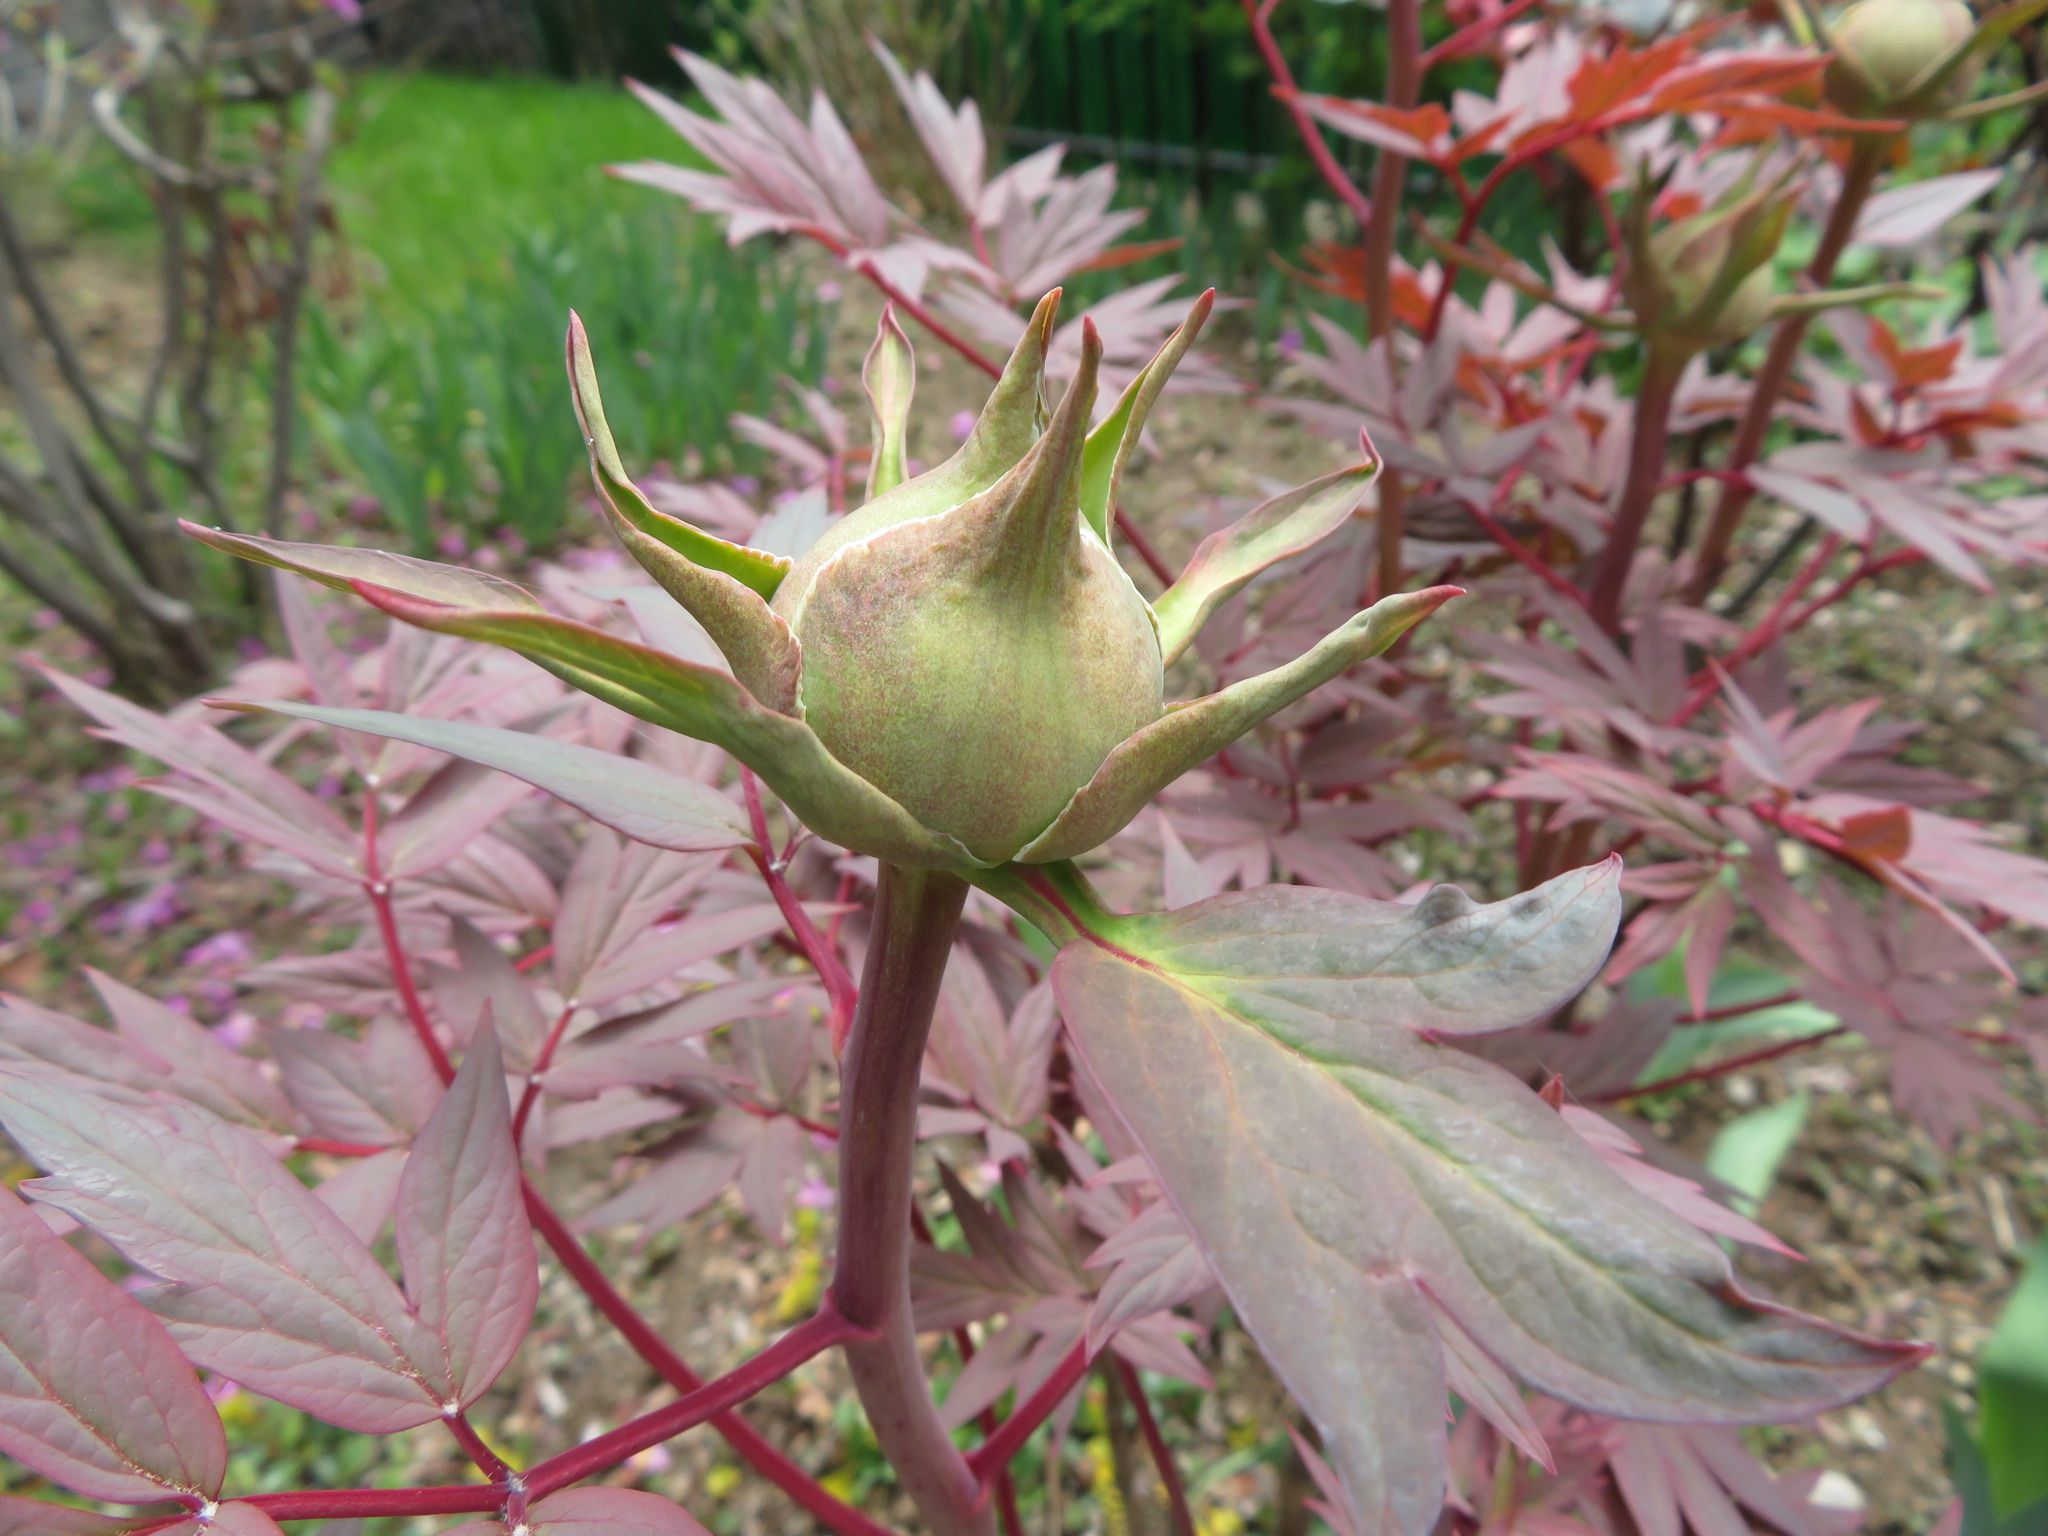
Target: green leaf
1748, 1150
1190, 734
2012, 1392
1116, 436
1738, 980
633, 798
1223, 562
826, 795
1361, 1188
724, 586
340, 566
890, 378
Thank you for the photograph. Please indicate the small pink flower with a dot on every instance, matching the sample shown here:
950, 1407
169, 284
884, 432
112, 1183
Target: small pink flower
237, 1031
228, 950
963, 423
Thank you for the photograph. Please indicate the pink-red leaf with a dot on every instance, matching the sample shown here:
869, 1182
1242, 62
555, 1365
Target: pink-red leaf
596, 1512
463, 1238
93, 1393
1353, 1182
263, 1282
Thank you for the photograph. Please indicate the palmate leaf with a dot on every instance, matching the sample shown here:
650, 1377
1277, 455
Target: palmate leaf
1367, 1193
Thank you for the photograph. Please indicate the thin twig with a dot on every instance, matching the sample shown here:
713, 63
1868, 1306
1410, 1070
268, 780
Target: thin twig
1722, 1068
290, 295
823, 956
1162, 1454
996, 1452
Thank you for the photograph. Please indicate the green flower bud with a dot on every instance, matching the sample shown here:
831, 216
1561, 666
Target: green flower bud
957, 675
1686, 274
977, 660
1883, 48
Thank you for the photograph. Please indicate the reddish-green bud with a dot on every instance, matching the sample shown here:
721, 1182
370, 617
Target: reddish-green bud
1885, 48
978, 659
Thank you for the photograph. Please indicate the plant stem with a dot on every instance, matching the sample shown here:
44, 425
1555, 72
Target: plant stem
916, 912
803, 1342
1260, 14
823, 956
839, 1518
1654, 397
753, 1447
1723, 1068
1025, 1418
1162, 1454
1865, 161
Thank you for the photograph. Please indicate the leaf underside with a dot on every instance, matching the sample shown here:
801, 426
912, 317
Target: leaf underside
1361, 1189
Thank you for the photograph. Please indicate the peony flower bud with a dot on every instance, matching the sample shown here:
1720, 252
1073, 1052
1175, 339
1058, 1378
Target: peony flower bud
958, 674
1884, 49
979, 662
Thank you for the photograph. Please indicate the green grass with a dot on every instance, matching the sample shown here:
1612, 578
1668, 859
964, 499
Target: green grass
437, 175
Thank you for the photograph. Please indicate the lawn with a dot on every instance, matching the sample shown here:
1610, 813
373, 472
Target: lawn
437, 173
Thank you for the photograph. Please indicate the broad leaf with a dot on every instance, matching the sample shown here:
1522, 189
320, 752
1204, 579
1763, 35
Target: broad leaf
1909, 214
93, 1393
463, 1238
233, 786
264, 1283
200, 1068
233, 1518
1360, 1188
632, 797
39, 1517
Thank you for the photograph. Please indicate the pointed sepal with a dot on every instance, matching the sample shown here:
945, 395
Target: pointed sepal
702, 702
1188, 735
1115, 439
341, 566
978, 664
724, 586
890, 377
1003, 433
1225, 561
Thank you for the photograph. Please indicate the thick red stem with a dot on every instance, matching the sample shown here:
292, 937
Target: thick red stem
839, 1518
1260, 14
748, 1442
802, 1343
1865, 161
915, 914
1654, 397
